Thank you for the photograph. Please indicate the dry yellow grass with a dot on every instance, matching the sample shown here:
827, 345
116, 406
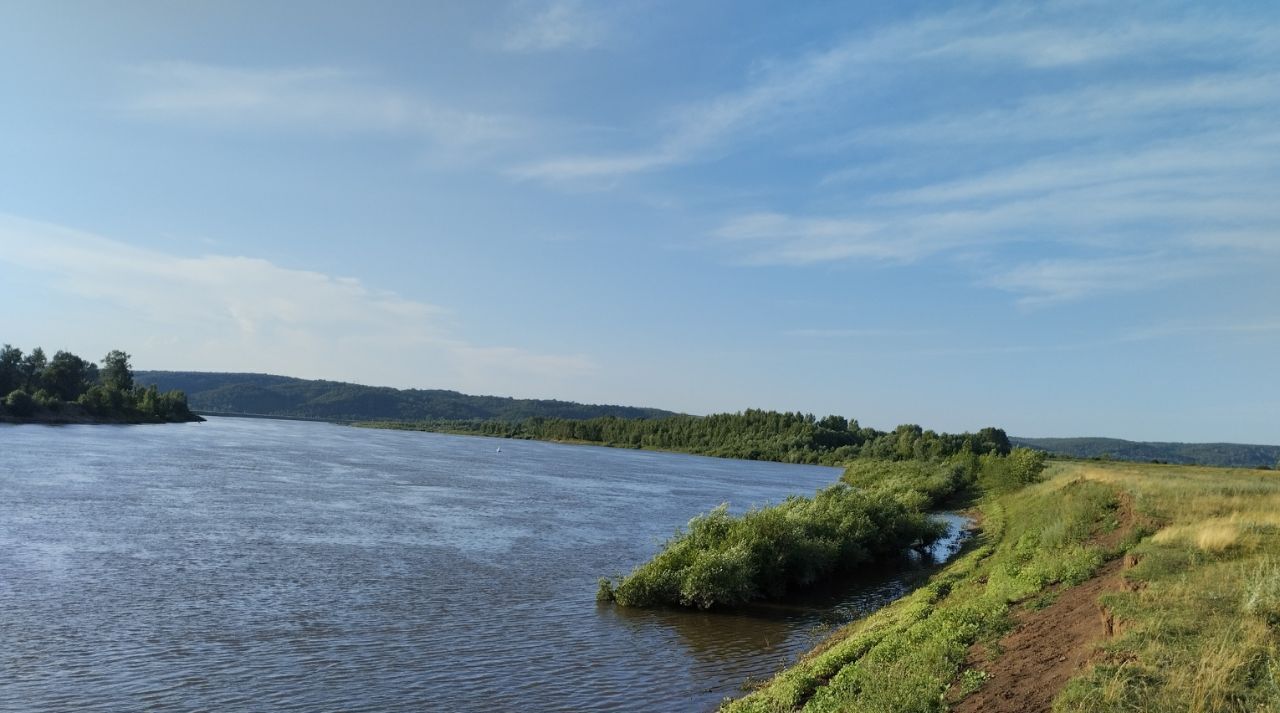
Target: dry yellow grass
1200, 630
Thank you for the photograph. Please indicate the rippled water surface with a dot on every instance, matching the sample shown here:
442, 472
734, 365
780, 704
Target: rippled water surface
246, 564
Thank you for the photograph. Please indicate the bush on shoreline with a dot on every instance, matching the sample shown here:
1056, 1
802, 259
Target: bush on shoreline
879, 511
766, 553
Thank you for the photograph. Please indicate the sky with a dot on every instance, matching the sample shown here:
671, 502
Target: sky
1060, 218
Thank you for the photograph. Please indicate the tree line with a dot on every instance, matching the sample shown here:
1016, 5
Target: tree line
33, 382
751, 435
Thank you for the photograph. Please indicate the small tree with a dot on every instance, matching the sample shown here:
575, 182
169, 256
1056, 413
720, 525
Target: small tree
33, 369
10, 369
116, 373
68, 375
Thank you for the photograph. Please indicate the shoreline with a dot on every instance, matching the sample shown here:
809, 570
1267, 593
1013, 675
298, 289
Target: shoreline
75, 415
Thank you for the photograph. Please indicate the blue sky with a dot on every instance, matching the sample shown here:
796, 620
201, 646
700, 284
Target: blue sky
1061, 218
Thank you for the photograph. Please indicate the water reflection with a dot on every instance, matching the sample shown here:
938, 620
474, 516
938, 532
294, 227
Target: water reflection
732, 647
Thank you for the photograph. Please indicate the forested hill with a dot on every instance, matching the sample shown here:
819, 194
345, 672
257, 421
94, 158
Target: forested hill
267, 395
1237, 455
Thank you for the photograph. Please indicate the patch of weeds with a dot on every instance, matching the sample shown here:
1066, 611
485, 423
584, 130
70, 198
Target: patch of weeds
1042, 600
970, 681
1261, 596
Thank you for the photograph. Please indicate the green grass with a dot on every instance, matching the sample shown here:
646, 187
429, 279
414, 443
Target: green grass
1197, 627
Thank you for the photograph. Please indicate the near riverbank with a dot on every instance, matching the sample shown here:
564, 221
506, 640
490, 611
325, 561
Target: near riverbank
1108, 587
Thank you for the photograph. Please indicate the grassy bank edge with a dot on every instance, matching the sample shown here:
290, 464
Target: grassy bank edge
1195, 626
906, 656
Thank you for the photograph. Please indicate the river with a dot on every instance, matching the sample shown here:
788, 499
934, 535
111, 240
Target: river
250, 564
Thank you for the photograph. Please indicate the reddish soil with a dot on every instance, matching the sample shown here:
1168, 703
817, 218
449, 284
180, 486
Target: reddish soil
1045, 649
1049, 646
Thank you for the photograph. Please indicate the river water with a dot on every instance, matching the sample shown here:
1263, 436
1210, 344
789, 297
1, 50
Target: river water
248, 564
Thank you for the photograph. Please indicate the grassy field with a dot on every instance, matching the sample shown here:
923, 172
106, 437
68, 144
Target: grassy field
1179, 568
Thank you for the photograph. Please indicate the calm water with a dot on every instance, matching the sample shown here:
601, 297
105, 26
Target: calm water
273, 565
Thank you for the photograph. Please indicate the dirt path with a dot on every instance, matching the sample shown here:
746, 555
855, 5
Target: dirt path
1049, 646
1045, 649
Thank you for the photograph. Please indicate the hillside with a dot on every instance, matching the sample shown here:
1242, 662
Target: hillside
268, 395
1236, 455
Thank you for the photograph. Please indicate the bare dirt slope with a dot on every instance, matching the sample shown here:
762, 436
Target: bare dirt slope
1049, 646
1045, 649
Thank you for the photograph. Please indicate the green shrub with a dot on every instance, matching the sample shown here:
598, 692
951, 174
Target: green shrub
879, 510
19, 403
47, 400
766, 553
101, 400
1023, 466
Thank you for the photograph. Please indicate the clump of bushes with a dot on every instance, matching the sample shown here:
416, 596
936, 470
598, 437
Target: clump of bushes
19, 403
920, 484
878, 511
1006, 474
47, 400
725, 560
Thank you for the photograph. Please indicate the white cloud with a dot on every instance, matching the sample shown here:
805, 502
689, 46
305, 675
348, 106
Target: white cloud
1047, 282
772, 238
312, 100
559, 25
235, 313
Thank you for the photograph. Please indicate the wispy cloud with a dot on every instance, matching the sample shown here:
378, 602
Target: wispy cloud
1107, 110
309, 100
848, 333
1051, 37
1222, 329
1118, 185
782, 91
557, 25
1047, 282
776, 238
240, 313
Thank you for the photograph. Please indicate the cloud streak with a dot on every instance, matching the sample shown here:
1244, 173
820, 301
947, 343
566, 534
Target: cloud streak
1048, 282
1115, 186
239, 313
316, 100
783, 91
559, 25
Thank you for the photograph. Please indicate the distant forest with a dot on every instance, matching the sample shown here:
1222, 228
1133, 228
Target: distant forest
750, 435
759, 435
1235, 455
267, 395
66, 388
